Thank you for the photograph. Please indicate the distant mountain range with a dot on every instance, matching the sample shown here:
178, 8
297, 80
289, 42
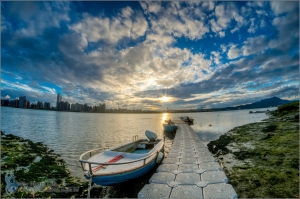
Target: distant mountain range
270, 102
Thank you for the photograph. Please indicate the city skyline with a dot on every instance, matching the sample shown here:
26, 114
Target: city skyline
22, 102
150, 55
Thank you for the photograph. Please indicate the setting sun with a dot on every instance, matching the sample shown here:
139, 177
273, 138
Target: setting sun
165, 99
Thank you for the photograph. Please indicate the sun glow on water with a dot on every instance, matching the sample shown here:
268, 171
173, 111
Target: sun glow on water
165, 116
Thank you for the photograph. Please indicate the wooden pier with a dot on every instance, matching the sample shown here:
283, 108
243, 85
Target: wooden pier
188, 171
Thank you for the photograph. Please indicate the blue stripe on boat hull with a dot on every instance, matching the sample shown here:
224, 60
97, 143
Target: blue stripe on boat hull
117, 178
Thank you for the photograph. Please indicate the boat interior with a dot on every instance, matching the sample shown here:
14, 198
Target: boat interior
139, 147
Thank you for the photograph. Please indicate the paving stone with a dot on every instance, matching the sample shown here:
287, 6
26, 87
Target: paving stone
200, 145
202, 150
170, 160
188, 160
188, 168
186, 191
186, 155
175, 151
187, 146
188, 150
188, 178
221, 190
205, 153
177, 146
210, 166
155, 191
214, 177
206, 159
167, 168
173, 155
162, 178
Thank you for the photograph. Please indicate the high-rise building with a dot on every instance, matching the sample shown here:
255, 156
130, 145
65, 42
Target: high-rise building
85, 107
67, 106
46, 105
4, 102
73, 107
59, 99
62, 105
39, 105
22, 102
12, 103
16, 103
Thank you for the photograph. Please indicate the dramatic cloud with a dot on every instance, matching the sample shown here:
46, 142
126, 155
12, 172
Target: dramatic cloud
200, 54
255, 45
176, 20
227, 12
34, 18
288, 30
128, 24
233, 52
280, 7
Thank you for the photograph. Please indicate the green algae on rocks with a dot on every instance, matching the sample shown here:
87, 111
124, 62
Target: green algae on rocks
38, 171
262, 159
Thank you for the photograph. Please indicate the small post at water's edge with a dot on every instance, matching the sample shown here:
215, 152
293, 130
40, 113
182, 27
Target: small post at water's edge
89, 188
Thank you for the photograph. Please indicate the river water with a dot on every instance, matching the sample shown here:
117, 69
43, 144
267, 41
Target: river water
71, 134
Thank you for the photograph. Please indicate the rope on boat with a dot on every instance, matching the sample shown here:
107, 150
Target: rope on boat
115, 159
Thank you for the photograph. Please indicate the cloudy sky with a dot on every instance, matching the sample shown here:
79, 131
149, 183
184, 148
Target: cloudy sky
150, 55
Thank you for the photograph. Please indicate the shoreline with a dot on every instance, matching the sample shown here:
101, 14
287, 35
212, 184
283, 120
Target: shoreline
143, 112
37, 171
262, 159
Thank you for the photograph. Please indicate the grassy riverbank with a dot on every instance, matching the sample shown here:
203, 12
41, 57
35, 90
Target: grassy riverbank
262, 159
38, 171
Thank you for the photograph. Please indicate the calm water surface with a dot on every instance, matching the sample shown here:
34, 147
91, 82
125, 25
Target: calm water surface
71, 134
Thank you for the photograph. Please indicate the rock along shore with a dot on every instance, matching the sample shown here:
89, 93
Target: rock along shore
37, 170
262, 159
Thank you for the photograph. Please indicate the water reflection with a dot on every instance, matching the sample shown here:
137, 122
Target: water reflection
71, 134
165, 116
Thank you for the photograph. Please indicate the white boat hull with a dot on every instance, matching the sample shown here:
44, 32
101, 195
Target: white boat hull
131, 165
107, 180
